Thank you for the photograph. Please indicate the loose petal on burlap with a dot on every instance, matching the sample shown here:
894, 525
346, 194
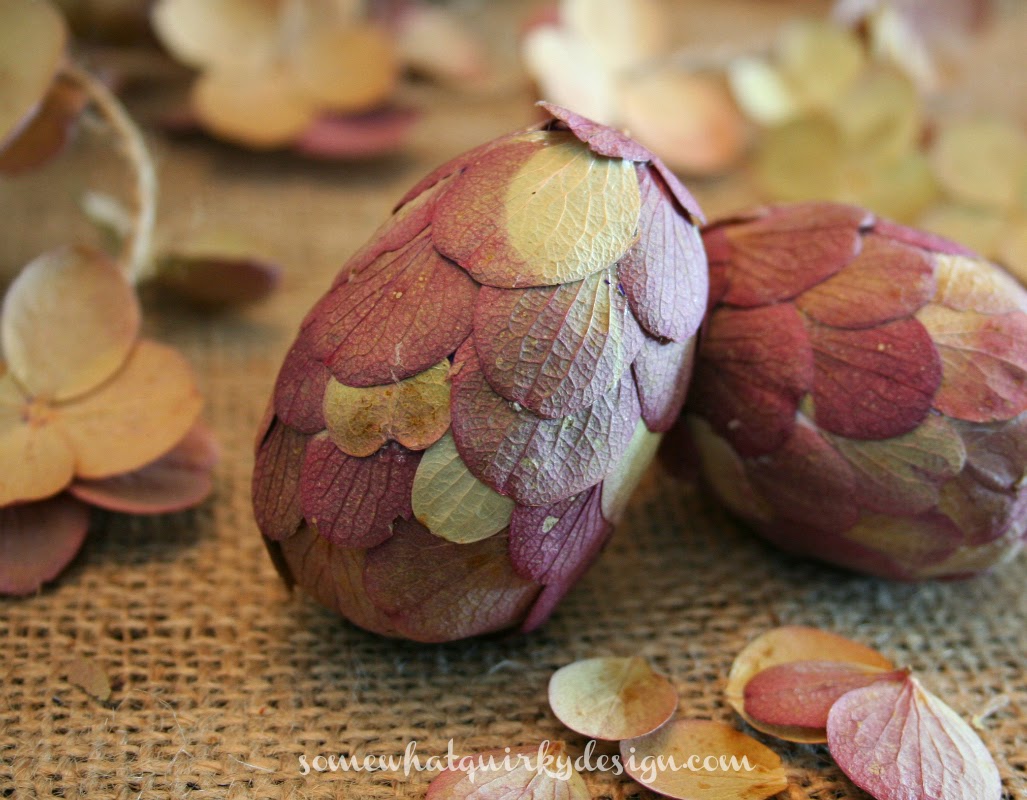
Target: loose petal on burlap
874, 383
627, 473
536, 461
178, 480
539, 213
549, 543
354, 502
664, 273
357, 136
662, 375
433, 590
300, 390
753, 368
789, 250
239, 34
403, 314
135, 417
984, 362
38, 540
522, 773
797, 477
885, 282
556, 350
345, 68
601, 139
68, 323
276, 482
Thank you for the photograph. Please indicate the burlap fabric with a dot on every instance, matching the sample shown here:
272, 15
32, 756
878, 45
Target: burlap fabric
222, 680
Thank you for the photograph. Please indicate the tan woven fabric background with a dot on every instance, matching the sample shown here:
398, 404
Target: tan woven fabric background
222, 680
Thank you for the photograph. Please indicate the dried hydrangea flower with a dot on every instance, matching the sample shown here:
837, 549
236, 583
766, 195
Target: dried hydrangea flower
86, 407
860, 391
465, 412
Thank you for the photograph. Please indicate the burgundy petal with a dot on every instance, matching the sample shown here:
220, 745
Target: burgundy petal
886, 282
357, 136
662, 375
353, 502
433, 590
406, 312
38, 540
556, 349
664, 274
551, 543
536, 461
753, 368
790, 249
922, 239
797, 477
601, 139
875, 383
276, 482
178, 480
300, 390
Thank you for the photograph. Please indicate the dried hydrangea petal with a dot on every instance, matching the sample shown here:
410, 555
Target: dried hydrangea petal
276, 482
980, 162
534, 460
32, 42
231, 34
453, 504
620, 484
404, 313
345, 68
413, 412
38, 540
354, 502
522, 773
432, 590
556, 350
662, 374
538, 213
611, 698
68, 323
801, 160
547, 543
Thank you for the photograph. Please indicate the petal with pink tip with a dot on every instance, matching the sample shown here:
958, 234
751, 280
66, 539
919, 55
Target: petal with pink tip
874, 383
38, 540
404, 313
753, 368
536, 461
664, 274
353, 502
556, 349
433, 590
885, 282
790, 249
276, 482
177, 480
918, 238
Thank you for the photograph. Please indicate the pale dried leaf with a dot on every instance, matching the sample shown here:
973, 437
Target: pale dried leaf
89, 675
980, 162
345, 69
522, 773
226, 34
611, 698
68, 323
820, 59
621, 483
38, 540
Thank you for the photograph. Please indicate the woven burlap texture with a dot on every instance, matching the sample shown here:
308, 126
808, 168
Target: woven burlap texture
222, 680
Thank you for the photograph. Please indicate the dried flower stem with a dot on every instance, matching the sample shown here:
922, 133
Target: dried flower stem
135, 257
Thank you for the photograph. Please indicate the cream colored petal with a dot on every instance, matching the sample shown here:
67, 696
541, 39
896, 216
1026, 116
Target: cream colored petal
620, 484
136, 417
68, 322
255, 109
346, 69
762, 92
37, 460
32, 41
225, 34
570, 73
820, 59
625, 33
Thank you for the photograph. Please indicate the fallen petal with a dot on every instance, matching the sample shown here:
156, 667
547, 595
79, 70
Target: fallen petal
522, 773
38, 540
357, 136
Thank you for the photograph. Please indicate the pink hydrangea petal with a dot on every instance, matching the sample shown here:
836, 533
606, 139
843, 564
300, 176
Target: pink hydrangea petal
353, 502
875, 383
556, 349
663, 373
664, 274
38, 540
790, 249
886, 282
432, 590
406, 312
276, 481
533, 460
357, 136
601, 139
178, 480
797, 477
753, 368
918, 238
680, 192
300, 389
